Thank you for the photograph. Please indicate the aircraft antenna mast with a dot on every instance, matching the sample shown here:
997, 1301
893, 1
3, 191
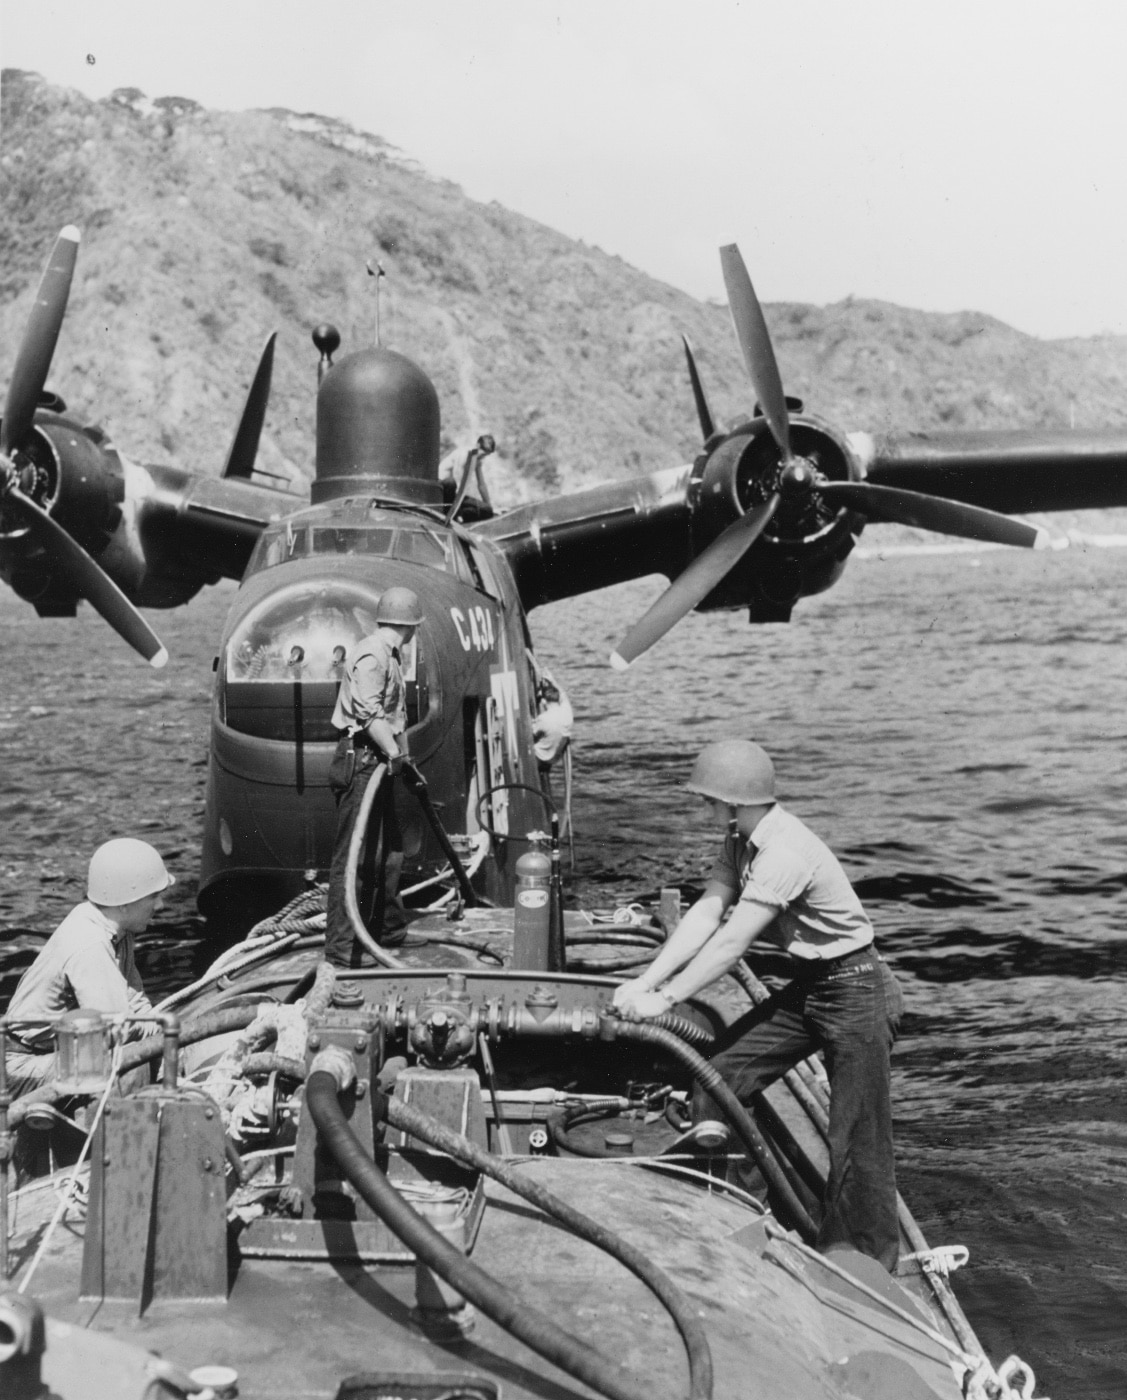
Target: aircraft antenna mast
378, 273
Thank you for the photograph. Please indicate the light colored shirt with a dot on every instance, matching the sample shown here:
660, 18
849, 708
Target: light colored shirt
373, 686
85, 963
785, 866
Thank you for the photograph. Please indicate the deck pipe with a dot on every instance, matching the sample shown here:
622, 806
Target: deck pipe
709, 1079
486, 1293
408, 1119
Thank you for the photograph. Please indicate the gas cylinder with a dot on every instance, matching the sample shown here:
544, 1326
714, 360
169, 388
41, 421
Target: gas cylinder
531, 911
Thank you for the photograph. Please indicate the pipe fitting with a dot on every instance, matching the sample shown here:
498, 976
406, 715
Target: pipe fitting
336, 1063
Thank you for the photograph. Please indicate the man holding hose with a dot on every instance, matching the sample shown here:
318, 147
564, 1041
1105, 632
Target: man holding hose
773, 876
371, 711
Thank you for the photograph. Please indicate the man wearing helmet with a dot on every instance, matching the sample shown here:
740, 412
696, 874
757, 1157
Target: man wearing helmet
371, 712
88, 962
774, 876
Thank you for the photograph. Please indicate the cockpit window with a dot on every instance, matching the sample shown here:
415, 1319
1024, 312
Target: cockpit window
416, 545
424, 547
342, 540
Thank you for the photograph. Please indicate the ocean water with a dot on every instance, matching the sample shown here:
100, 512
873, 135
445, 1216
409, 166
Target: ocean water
952, 724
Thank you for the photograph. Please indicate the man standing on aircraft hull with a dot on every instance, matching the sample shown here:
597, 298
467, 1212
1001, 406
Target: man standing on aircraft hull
773, 872
371, 711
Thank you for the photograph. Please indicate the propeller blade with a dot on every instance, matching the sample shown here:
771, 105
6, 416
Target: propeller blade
90, 581
704, 413
38, 344
698, 580
933, 513
244, 445
755, 346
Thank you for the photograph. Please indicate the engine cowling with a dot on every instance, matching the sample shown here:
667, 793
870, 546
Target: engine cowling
803, 548
75, 474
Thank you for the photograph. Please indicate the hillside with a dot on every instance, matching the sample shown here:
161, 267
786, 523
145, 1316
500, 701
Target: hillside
203, 231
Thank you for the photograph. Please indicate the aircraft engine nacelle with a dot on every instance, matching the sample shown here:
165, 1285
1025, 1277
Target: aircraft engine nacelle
74, 474
804, 546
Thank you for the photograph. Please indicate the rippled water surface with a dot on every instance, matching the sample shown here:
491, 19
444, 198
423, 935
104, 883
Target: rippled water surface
952, 725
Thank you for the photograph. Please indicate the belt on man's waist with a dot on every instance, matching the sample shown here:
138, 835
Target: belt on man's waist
818, 969
363, 740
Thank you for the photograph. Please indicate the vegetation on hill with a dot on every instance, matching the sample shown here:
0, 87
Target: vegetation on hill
203, 231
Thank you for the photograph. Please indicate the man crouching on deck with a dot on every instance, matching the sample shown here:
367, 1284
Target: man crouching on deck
88, 962
774, 874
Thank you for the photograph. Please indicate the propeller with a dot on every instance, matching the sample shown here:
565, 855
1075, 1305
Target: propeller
697, 581
33, 361
244, 445
38, 344
797, 477
932, 513
712, 566
704, 413
756, 347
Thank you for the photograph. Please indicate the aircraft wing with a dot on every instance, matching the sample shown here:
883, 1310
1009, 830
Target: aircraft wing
195, 528
590, 539
1011, 472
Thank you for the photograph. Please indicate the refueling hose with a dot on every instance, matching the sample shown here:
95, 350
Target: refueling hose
414, 780
709, 1079
682, 1027
486, 1293
363, 816
409, 1119
560, 1123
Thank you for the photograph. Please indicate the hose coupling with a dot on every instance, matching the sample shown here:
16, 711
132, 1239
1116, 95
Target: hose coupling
336, 1062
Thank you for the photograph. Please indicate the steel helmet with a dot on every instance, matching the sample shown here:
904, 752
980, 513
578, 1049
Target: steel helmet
400, 607
124, 870
735, 771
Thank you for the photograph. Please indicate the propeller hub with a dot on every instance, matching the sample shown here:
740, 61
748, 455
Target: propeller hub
798, 478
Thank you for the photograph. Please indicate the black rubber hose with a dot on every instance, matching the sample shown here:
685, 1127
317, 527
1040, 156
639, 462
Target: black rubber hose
409, 1120
486, 1293
683, 1027
560, 1122
414, 780
709, 1079
219, 1022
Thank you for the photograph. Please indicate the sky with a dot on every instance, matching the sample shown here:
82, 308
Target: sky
947, 156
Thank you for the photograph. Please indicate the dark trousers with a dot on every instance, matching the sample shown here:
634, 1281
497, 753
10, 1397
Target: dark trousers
850, 1010
380, 858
